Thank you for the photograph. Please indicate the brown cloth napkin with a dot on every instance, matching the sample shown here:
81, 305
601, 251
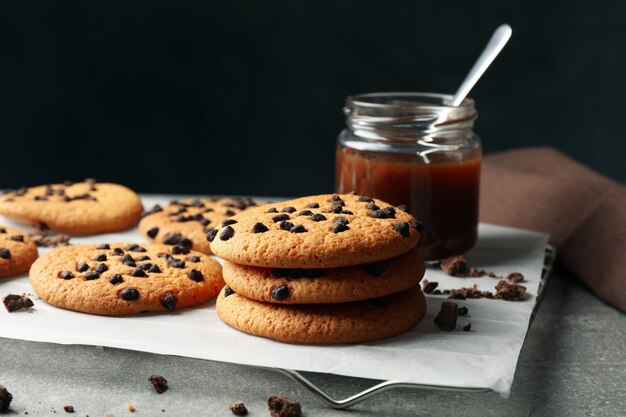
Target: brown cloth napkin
584, 213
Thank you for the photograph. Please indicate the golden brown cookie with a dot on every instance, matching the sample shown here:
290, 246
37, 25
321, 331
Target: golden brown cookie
120, 279
76, 208
17, 252
186, 222
317, 286
324, 231
358, 322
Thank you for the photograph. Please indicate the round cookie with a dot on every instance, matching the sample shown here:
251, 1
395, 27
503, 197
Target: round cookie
186, 222
318, 286
324, 231
120, 279
76, 208
17, 252
358, 322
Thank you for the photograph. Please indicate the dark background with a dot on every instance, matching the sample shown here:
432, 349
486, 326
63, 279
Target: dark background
245, 97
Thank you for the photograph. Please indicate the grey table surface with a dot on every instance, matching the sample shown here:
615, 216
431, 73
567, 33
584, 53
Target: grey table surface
573, 363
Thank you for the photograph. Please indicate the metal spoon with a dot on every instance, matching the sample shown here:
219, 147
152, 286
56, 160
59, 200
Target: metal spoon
499, 38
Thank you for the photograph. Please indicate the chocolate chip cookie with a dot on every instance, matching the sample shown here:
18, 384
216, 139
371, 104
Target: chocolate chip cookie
17, 252
119, 278
80, 208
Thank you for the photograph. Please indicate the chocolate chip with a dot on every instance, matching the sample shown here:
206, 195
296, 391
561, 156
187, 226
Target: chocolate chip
197, 203
91, 275
5, 399
100, 268
227, 233
318, 217
280, 218
194, 259
41, 198
173, 239
128, 260
298, 229
158, 382
375, 269
373, 206
284, 225
5, 253
139, 273
429, 287
403, 207
185, 242
3, 230
335, 198
169, 302
104, 246
116, 279
454, 265
283, 407
467, 327
152, 233
312, 205
145, 266
229, 213
66, 275
211, 235
510, 292
305, 213
176, 263
390, 212
14, 302
154, 269
117, 252
138, 249
288, 209
272, 210
403, 229
280, 293
129, 294
196, 275
153, 210
346, 212
364, 199
238, 409
446, 318
342, 220
335, 209
204, 222
259, 228
99, 258
130, 246
463, 311
228, 291
143, 258
208, 210
180, 250
17, 238
82, 267
228, 222
417, 225
339, 227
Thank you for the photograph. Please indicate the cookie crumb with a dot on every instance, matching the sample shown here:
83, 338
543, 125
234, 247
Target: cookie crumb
463, 311
283, 407
46, 238
515, 277
446, 318
475, 272
510, 292
429, 287
455, 265
130, 408
14, 302
158, 383
467, 327
5, 398
238, 409
68, 408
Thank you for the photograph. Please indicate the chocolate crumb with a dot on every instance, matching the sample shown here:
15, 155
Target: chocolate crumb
14, 302
283, 407
446, 318
467, 327
169, 302
475, 272
158, 383
455, 265
5, 398
430, 286
463, 311
515, 277
46, 238
510, 292
238, 409
68, 408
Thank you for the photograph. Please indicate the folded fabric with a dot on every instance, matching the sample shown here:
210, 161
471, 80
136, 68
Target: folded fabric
584, 213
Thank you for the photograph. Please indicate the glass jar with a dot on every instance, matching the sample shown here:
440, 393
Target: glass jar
418, 150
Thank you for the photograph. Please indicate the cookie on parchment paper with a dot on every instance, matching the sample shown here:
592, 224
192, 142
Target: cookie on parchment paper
125, 278
80, 208
324, 231
320, 286
358, 322
17, 252
186, 222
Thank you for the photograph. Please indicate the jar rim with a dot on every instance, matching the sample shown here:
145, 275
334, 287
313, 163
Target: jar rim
419, 99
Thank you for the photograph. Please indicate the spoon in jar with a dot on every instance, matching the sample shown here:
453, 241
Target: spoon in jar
499, 38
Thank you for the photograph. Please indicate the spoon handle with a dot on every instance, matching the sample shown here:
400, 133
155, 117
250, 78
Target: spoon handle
499, 38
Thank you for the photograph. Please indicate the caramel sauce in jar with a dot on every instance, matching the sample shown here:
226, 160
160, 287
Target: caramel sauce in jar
414, 150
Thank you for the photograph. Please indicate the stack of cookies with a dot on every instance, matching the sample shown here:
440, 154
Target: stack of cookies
326, 269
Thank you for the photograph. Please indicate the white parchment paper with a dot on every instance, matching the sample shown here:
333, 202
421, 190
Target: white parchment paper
484, 357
